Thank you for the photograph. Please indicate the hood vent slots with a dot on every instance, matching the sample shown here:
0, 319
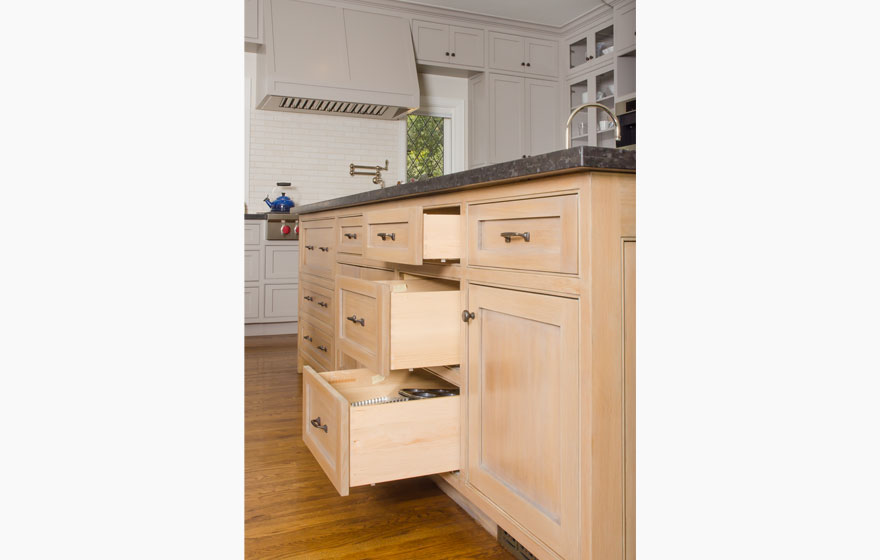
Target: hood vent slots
300, 104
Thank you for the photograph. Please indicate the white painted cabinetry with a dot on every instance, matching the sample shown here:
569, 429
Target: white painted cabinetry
448, 44
514, 53
271, 282
253, 21
625, 26
523, 117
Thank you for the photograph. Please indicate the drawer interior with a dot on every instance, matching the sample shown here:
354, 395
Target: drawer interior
358, 443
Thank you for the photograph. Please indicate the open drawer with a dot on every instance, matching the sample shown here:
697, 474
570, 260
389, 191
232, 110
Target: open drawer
399, 324
358, 444
412, 235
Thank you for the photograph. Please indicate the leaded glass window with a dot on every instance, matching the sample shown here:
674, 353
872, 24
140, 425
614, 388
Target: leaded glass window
424, 146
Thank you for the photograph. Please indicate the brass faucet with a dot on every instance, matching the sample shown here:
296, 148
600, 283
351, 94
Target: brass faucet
578, 109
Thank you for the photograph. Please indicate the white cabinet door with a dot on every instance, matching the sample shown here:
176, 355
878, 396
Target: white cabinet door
431, 40
466, 46
252, 234
252, 265
253, 21
251, 303
506, 52
280, 300
478, 131
625, 28
506, 117
543, 130
282, 262
542, 57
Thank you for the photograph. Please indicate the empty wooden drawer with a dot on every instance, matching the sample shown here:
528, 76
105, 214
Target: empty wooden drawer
351, 235
397, 324
317, 244
407, 236
317, 301
358, 444
316, 341
531, 234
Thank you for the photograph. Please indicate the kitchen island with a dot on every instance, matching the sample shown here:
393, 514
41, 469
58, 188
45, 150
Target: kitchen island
513, 284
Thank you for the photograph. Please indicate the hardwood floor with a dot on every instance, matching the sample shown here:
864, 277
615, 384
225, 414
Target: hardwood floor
292, 510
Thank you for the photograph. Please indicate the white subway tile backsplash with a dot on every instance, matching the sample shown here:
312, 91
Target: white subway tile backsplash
313, 153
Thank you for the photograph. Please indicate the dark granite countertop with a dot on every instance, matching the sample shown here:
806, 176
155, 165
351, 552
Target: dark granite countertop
572, 159
255, 216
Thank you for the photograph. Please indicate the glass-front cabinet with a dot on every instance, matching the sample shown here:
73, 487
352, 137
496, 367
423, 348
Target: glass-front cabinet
593, 127
594, 45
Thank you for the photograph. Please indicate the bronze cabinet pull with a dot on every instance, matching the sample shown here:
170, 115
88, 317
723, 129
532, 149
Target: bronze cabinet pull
309, 298
354, 319
325, 249
351, 235
508, 234
322, 348
384, 235
310, 247
467, 315
316, 422
323, 304
307, 337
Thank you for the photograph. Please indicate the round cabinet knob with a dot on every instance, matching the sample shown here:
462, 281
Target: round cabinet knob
296, 229
285, 229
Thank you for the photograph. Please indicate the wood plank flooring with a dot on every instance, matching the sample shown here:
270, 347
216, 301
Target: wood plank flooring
292, 510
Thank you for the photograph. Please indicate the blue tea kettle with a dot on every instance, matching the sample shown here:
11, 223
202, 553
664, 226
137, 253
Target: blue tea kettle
281, 204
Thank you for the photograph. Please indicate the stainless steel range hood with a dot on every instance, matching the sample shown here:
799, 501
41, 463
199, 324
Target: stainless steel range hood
331, 60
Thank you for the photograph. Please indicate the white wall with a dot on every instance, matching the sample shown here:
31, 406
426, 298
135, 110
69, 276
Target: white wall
313, 152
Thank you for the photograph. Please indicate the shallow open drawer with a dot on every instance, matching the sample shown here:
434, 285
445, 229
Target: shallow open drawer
412, 235
358, 444
399, 324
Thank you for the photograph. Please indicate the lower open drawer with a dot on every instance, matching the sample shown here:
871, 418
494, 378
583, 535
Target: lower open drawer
363, 444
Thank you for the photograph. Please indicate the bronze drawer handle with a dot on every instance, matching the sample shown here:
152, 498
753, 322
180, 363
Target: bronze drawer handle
307, 337
310, 247
351, 235
384, 235
467, 315
316, 422
323, 304
354, 319
508, 234
322, 348
325, 249
309, 298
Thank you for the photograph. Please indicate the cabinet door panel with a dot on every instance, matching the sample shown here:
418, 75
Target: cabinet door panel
541, 57
506, 117
542, 117
506, 52
281, 300
252, 265
253, 25
467, 44
523, 409
625, 29
432, 41
251, 303
282, 262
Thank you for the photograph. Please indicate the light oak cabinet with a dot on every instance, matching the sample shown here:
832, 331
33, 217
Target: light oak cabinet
534, 323
514, 53
448, 44
358, 445
523, 409
523, 117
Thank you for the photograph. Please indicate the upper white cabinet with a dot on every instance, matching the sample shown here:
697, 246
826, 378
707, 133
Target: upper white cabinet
594, 45
625, 26
523, 117
528, 55
448, 44
253, 21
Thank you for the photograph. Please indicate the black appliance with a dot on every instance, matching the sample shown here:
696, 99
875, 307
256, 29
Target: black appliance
626, 114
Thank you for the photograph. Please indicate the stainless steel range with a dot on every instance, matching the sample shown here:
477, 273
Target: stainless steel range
281, 226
